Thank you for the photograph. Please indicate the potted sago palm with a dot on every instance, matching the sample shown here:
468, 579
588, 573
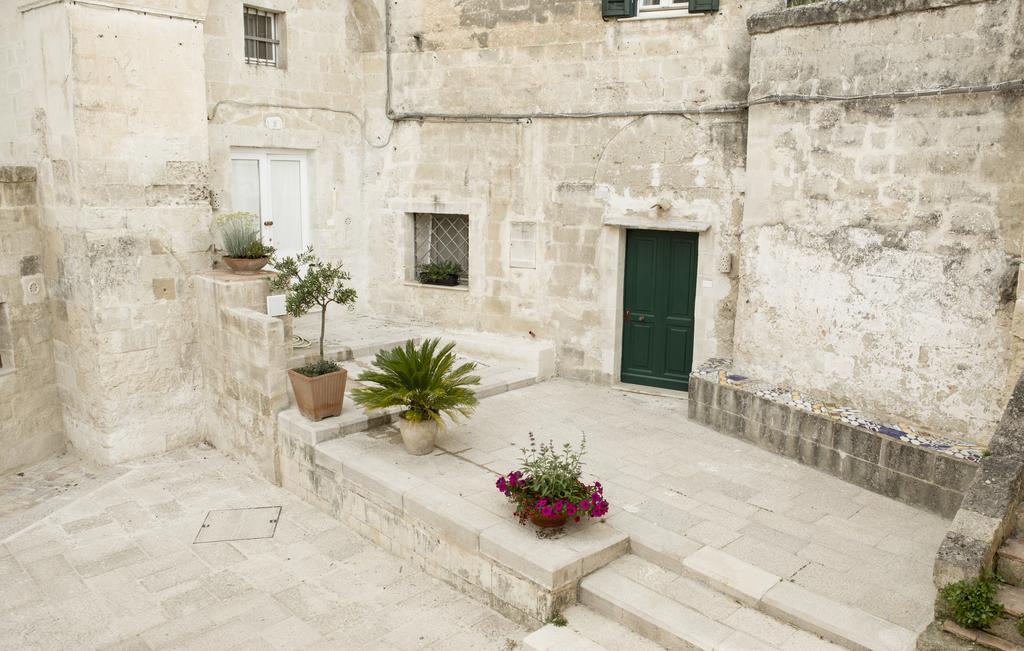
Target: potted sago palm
311, 283
427, 382
244, 250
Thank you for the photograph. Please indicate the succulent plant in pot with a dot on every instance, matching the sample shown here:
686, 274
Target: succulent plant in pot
244, 250
427, 381
311, 283
440, 273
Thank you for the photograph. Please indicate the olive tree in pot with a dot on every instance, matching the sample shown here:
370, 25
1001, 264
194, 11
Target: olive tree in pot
319, 387
424, 380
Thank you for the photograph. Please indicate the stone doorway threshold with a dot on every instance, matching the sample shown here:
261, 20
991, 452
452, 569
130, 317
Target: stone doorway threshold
650, 391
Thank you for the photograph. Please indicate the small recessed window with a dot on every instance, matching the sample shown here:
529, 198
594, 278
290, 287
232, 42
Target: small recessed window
651, 6
523, 245
441, 238
262, 36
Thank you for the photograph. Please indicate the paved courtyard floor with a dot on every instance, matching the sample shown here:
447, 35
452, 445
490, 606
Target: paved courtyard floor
833, 538
114, 566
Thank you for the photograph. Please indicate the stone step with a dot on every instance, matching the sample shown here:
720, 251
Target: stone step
1010, 562
762, 590
981, 638
341, 353
494, 380
679, 613
397, 500
1012, 599
559, 638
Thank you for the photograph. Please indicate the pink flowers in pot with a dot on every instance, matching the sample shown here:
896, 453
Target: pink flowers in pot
548, 490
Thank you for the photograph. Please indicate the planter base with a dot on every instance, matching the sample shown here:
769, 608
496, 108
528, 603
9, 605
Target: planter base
552, 522
319, 397
246, 266
418, 438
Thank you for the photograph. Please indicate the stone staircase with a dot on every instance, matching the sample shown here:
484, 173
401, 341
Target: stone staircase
1003, 634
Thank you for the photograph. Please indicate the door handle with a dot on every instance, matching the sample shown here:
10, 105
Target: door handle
641, 318
629, 315
268, 223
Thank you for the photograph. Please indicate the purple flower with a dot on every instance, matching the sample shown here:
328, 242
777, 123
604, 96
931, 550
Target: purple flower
584, 505
546, 512
572, 509
502, 486
596, 497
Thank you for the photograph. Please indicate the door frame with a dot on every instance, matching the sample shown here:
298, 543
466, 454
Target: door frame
265, 157
699, 344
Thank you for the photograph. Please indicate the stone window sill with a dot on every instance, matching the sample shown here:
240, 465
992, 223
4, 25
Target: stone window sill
457, 288
8, 371
655, 15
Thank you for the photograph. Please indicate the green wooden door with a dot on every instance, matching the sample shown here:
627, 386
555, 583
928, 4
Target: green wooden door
658, 303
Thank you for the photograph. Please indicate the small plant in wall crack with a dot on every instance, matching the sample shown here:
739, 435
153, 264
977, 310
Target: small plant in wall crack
972, 604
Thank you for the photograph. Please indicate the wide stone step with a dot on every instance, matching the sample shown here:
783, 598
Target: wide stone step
1010, 562
1012, 599
679, 613
761, 590
494, 380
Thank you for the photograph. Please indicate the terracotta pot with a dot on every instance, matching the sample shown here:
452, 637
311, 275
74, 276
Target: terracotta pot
549, 523
418, 438
321, 396
246, 265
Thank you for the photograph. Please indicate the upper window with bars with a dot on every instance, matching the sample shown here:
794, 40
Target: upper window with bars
262, 36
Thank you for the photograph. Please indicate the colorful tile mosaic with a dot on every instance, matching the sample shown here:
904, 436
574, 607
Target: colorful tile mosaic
719, 370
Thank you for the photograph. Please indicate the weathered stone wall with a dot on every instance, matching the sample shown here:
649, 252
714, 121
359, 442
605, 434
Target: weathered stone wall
243, 354
30, 417
577, 178
570, 176
118, 103
881, 238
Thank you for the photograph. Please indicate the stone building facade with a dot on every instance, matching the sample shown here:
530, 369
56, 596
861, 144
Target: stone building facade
865, 249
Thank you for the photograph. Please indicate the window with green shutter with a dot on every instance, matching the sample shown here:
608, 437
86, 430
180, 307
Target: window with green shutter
702, 6
618, 8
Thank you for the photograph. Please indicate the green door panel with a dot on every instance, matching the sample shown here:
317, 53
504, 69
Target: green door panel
658, 308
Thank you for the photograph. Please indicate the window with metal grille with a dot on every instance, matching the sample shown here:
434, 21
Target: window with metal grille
442, 238
262, 39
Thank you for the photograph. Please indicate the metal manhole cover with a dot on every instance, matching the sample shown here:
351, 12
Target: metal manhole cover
239, 524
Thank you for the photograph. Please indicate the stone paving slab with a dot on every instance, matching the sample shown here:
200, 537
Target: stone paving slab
118, 570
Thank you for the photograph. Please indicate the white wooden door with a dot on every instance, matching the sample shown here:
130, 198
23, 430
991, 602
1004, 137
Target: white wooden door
274, 185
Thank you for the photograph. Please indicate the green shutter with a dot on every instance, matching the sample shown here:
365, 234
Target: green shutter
618, 8
702, 6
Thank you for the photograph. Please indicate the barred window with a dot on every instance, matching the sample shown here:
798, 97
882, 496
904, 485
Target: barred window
262, 39
442, 238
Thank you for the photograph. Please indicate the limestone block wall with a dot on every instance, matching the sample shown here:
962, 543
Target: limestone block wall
243, 355
119, 108
30, 417
882, 238
578, 179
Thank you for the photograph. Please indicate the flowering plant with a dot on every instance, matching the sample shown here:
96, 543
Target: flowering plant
549, 485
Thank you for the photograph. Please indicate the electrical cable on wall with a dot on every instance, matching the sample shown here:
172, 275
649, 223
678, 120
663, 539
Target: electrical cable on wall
527, 117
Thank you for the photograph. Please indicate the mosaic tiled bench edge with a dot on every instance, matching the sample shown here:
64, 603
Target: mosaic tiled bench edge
893, 460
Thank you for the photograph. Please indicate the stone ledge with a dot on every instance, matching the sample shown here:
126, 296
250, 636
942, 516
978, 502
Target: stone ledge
488, 556
833, 12
933, 475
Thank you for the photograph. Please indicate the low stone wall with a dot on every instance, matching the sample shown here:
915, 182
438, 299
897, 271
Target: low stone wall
367, 497
921, 474
243, 354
